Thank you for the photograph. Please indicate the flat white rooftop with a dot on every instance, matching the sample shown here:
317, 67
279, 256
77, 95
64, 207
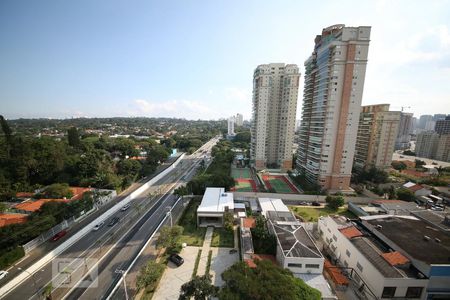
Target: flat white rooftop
215, 200
271, 204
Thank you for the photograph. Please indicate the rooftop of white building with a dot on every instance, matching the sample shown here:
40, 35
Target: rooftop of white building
292, 236
271, 204
215, 200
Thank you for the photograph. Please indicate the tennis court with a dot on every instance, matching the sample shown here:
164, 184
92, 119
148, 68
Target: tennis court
240, 173
243, 179
245, 185
280, 184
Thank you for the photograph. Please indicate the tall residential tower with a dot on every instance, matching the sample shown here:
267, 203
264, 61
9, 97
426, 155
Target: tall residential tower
334, 82
275, 92
377, 132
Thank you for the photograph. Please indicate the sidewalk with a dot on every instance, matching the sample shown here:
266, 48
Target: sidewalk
205, 252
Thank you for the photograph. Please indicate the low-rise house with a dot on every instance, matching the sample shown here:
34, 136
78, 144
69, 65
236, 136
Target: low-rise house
296, 250
30, 206
214, 204
9, 219
417, 189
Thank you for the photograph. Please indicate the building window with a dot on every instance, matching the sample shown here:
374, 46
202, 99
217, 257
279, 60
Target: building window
358, 265
294, 265
414, 292
312, 266
388, 292
347, 252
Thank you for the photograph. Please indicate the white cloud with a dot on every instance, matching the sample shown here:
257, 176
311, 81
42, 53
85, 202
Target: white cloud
173, 108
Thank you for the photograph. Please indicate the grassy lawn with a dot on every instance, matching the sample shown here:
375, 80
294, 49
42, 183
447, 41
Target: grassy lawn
222, 238
312, 214
192, 235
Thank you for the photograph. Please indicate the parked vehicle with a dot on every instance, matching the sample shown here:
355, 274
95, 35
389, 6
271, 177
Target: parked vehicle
3, 274
59, 235
176, 259
114, 221
125, 207
315, 203
98, 226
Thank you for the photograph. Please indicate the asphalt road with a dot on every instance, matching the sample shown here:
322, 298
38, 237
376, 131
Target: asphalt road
46, 247
116, 244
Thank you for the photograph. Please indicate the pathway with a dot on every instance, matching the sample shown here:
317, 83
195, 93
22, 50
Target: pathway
205, 251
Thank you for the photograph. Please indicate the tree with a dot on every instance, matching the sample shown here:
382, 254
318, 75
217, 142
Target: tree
47, 291
228, 220
398, 165
419, 163
263, 241
3, 207
200, 287
405, 194
334, 202
57, 191
149, 274
5, 128
169, 237
73, 137
242, 137
266, 281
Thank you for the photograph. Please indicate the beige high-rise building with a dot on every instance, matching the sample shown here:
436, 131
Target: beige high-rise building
432, 145
405, 128
239, 119
443, 148
275, 92
426, 144
377, 132
334, 83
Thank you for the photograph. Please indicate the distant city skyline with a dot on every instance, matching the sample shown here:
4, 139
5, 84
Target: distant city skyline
192, 59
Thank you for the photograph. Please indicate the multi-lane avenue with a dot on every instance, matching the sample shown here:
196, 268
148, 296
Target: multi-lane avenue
109, 248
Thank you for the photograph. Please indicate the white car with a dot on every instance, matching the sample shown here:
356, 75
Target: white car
3, 274
125, 207
98, 226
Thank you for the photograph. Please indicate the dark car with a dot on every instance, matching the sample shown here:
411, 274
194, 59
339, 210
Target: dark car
59, 235
114, 221
315, 203
176, 259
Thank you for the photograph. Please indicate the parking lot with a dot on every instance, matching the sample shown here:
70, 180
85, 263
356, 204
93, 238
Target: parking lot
174, 277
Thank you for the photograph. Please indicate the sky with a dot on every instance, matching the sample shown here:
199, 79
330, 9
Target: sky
195, 59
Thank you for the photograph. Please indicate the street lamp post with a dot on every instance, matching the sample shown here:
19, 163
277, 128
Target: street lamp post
122, 272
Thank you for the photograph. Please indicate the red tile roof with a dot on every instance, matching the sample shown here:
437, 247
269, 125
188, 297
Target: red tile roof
78, 192
24, 195
8, 219
395, 258
249, 222
335, 273
33, 206
255, 257
415, 188
350, 232
415, 173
